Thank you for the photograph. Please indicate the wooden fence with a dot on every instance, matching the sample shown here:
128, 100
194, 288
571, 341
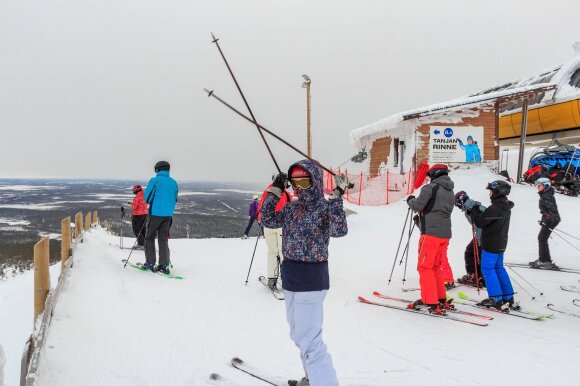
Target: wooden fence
45, 298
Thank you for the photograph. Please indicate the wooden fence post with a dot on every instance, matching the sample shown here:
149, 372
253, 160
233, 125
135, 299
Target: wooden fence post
78, 225
41, 275
65, 241
360, 187
95, 218
88, 222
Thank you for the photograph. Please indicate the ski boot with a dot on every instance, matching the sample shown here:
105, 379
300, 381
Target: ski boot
436, 309
163, 268
417, 304
449, 285
445, 304
273, 284
492, 303
470, 280
148, 267
303, 382
511, 304
543, 264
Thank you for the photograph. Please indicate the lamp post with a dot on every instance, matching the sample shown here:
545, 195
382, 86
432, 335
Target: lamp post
306, 84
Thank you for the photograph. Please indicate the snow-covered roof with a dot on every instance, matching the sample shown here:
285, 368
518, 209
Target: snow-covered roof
564, 78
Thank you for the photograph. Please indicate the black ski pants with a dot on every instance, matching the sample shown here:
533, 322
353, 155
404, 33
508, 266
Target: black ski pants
249, 227
469, 259
543, 237
158, 226
138, 223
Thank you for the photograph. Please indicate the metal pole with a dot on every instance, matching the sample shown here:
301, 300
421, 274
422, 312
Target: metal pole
308, 134
522, 139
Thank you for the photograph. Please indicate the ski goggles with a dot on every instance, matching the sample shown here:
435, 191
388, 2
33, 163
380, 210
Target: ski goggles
301, 183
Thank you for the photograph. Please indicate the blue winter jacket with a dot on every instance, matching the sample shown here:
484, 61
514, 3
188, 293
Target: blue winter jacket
472, 153
161, 194
307, 225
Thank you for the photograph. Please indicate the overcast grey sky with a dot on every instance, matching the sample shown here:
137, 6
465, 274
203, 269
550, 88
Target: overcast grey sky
122, 80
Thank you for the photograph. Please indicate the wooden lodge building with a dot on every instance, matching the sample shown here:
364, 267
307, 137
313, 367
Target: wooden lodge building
438, 133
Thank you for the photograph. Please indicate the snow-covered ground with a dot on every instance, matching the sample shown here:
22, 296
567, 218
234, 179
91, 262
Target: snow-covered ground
115, 326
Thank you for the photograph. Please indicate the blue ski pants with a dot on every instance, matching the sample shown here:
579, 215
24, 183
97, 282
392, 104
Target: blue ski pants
304, 314
497, 281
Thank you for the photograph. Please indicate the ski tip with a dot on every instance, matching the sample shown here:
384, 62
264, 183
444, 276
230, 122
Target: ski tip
376, 293
237, 361
361, 299
462, 295
215, 377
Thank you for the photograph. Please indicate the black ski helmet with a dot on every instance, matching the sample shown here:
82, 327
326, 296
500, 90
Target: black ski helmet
162, 165
499, 188
437, 171
460, 199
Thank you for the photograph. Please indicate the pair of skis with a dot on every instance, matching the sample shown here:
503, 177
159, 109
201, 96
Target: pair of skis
557, 269
570, 288
519, 313
244, 367
139, 266
278, 293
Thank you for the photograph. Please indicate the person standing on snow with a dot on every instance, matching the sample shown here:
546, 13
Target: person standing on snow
139, 214
472, 153
472, 263
550, 219
252, 214
494, 222
161, 195
434, 205
273, 238
307, 224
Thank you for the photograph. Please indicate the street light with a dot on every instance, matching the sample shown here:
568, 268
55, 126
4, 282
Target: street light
306, 85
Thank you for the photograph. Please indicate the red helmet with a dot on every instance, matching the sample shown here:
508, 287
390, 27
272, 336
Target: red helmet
299, 172
137, 189
437, 170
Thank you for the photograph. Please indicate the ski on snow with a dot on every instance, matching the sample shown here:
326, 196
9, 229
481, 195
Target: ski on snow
216, 379
558, 269
268, 379
139, 266
576, 302
553, 308
278, 294
456, 311
519, 314
570, 288
421, 312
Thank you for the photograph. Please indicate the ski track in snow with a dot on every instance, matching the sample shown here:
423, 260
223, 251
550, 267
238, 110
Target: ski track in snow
115, 326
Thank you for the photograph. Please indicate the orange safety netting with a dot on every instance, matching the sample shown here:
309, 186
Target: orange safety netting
378, 190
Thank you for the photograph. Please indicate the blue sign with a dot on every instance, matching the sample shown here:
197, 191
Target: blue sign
448, 132
436, 132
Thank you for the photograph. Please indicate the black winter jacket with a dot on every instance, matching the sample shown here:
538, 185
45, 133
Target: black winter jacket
494, 223
548, 208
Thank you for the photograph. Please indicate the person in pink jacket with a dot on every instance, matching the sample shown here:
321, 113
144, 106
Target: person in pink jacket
139, 212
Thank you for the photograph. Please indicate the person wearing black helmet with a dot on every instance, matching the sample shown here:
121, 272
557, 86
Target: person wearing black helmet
494, 222
550, 219
161, 195
434, 205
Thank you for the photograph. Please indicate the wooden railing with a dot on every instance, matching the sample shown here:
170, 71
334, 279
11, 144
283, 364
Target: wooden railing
45, 298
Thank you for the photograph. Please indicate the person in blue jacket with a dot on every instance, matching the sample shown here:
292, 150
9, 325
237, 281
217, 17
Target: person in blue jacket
161, 195
472, 153
307, 226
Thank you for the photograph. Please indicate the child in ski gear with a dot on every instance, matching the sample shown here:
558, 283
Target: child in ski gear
252, 213
434, 205
550, 219
139, 215
494, 222
307, 224
273, 237
472, 153
161, 195
473, 249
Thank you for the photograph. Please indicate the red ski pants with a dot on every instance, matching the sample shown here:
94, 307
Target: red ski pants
433, 268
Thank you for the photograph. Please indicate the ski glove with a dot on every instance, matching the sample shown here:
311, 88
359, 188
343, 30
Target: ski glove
342, 184
469, 204
410, 198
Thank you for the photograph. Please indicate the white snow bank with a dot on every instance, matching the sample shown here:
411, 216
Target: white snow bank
2, 363
137, 328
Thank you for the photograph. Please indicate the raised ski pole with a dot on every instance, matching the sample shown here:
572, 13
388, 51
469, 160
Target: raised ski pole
475, 257
524, 279
211, 93
260, 232
215, 41
399, 246
122, 226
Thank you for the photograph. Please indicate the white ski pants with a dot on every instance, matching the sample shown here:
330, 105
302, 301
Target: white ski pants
274, 242
304, 312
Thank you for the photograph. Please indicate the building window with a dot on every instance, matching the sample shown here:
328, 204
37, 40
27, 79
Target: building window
396, 152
